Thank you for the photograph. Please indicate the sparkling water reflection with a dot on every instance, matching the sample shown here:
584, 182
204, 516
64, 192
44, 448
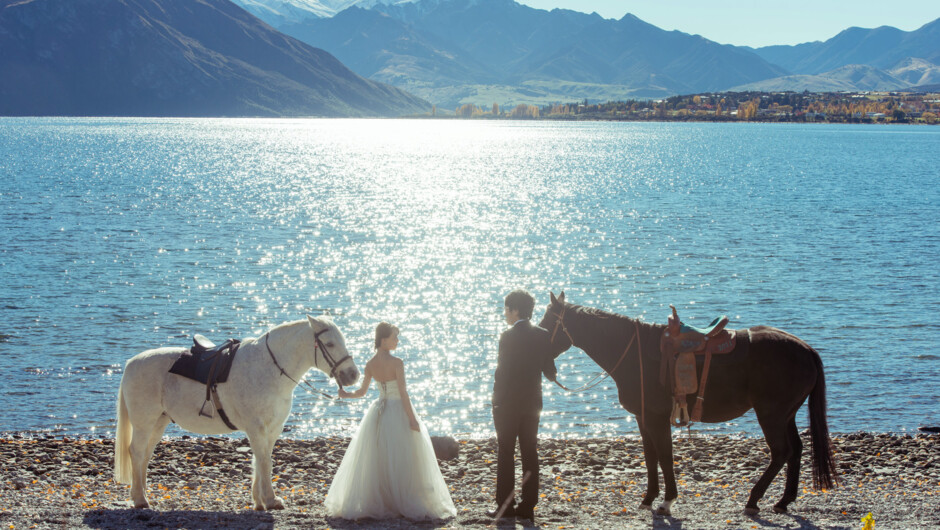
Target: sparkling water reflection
126, 234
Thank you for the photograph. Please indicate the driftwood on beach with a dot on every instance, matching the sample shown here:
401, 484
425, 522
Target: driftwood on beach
200, 482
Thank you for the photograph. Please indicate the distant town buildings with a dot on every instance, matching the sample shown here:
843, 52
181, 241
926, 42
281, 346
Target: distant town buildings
830, 107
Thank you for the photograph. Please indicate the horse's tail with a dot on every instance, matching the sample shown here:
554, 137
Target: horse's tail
122, 441
825, 475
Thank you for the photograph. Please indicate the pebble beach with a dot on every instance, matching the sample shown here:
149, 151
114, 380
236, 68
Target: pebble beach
55, 482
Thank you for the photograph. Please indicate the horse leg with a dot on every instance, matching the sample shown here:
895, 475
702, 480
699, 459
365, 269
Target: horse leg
775, 434
652, 473
663, 440
256, 496
793, 467
143, 442
262, 492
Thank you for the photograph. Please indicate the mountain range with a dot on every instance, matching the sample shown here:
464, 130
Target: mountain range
172, 58
457, 51
882, 47
368, 58
449, 51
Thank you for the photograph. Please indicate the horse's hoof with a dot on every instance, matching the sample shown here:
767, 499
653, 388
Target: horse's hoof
780, 509
751, 511
259, 507
142, 505
646, 507
278, 504
665, 508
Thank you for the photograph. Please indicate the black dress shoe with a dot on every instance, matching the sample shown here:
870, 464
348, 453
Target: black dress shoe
508, 512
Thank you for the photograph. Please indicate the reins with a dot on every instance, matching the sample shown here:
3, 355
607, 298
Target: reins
333, 366
597, 379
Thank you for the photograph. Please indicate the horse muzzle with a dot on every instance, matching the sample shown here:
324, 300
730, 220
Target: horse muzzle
347, 376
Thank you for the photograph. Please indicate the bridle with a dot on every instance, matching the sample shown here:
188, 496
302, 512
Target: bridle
332, 363
560, 322
596, 380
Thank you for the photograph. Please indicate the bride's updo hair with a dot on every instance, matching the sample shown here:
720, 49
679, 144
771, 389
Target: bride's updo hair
382, 331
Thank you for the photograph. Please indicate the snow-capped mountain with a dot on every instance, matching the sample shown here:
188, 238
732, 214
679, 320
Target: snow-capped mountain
280, 12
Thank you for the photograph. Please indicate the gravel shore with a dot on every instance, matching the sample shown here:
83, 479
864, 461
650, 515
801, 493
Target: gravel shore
594, 483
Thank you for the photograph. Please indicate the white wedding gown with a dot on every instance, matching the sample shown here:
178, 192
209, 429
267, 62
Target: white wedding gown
389, 470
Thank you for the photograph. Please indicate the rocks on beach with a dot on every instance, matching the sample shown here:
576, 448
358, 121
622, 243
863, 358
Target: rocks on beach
205, 483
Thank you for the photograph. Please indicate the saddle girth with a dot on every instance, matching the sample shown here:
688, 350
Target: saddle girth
679, 345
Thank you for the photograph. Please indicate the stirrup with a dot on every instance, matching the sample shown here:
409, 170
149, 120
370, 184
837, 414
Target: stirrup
680, 414
202, 410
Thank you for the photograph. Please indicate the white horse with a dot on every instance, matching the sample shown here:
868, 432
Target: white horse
257, 398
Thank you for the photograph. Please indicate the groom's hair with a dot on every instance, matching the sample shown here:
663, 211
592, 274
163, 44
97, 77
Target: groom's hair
521, 301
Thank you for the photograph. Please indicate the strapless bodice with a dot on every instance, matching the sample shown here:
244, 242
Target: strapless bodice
389, 389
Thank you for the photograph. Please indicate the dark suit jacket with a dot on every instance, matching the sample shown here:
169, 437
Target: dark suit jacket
524, 355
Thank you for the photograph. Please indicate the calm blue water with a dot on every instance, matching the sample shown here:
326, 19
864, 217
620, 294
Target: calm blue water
121, 235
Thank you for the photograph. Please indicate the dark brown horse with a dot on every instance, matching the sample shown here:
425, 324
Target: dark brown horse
773, 373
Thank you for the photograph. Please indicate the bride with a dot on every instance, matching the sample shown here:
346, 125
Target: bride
389, 469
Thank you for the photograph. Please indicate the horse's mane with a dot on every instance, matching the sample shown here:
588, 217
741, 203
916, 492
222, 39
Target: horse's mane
609, 329
611, 319
603, 323
593, 311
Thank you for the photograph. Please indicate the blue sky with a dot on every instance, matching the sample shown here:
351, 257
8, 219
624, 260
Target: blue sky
759, 23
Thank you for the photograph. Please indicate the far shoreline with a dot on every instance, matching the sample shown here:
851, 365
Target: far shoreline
867, 107
452, 117
851, 108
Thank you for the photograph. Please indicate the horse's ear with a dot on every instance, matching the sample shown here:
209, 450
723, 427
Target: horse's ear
551, 296
312, 321
561, 297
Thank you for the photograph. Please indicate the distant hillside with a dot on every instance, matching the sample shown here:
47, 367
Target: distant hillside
634, 53
179, 58
909, 73
881, 47
916, 71
392, 51
453, 51
850, 78
924, 88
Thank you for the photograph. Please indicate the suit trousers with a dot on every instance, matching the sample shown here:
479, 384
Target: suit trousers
512, 425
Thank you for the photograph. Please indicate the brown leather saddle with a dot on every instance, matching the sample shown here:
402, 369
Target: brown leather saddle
679, 345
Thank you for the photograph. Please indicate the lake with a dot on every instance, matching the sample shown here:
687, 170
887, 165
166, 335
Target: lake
121, 235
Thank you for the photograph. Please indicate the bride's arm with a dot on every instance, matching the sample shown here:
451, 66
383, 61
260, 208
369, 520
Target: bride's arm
366, 381
405, 400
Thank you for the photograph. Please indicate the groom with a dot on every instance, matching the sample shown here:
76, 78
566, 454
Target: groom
524, 355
